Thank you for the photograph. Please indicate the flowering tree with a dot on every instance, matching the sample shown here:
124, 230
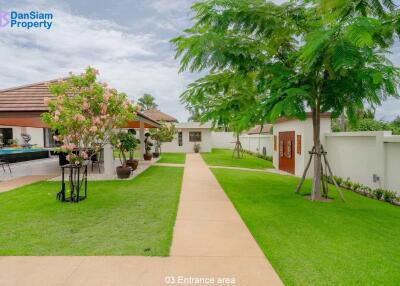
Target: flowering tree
165, 133
84, 112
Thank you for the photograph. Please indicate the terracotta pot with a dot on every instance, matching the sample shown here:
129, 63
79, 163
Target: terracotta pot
133, 164
156, 154
147, 157
124, 172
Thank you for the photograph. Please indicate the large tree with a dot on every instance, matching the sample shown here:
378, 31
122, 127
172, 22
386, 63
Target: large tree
311, 55
147, 101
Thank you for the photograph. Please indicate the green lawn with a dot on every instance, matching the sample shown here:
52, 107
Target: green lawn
316, 243
223, 157
118, 218
176, 158
136, 154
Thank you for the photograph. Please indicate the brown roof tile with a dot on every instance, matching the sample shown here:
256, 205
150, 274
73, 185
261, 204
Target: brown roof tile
32, 97
257, 129
157, 115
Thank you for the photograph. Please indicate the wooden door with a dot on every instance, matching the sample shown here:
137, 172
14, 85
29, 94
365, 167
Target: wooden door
286, 151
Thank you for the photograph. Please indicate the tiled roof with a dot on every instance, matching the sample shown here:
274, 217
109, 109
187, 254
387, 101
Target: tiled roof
158, 115
257, 129
32, 97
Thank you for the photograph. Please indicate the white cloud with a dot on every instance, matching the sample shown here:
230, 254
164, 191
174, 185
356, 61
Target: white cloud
130, 62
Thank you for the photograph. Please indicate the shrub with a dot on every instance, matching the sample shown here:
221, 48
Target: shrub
356, 187
389, 196
367, 191
338, 180
347, 184
196, 147
378, 193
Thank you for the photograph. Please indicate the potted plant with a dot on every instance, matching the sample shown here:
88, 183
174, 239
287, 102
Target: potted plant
196, 147
165, 133
147, 146
125, 142
131, 162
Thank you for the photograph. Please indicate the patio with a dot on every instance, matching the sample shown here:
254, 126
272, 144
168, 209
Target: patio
25, 173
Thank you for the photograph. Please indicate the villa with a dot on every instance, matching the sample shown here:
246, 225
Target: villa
20, 113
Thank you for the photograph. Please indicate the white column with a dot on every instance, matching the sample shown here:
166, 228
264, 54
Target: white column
109, 167
141, 135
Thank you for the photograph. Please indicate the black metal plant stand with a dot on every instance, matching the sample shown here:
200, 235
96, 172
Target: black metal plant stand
77, 180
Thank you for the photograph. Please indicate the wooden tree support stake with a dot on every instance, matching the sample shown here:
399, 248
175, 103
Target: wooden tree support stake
323, 178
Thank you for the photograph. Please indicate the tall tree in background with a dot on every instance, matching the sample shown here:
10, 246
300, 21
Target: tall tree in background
311, 55
147, 101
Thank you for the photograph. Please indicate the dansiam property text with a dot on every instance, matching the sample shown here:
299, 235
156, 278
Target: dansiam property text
26, 20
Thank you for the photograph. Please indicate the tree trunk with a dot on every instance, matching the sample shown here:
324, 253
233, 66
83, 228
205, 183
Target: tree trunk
342, 122
316, 117
238, 145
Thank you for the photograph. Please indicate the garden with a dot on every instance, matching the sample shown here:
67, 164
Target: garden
225, 157
134, 217
316, 243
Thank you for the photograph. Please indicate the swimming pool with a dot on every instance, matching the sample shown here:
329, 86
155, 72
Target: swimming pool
13, 155
19, 150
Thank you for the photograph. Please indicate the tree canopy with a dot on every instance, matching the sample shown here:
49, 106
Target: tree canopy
147, 101
265, 60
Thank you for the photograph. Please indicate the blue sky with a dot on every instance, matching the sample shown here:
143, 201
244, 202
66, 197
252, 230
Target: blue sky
126, 40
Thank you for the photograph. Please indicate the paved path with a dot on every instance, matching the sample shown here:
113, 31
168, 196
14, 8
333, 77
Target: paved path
22, 181
210, 242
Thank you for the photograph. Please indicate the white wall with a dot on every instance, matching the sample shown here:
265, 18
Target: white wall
353, 155
37, 134
256, 143
392, 166
187, 147
223, 140
361, 155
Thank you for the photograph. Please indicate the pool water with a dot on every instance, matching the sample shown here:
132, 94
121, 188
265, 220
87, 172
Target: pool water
6, 151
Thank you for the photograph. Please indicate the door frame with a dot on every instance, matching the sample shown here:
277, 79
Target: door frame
286, 151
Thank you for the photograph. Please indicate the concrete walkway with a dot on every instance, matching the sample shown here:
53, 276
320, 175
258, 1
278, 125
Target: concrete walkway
22, 181
210, 243
209, 229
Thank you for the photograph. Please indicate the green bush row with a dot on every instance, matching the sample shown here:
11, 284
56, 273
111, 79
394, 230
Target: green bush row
265, 157
379, 194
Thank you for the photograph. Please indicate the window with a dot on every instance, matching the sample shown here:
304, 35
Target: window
6, 136
180, 139
275, 139
194, 136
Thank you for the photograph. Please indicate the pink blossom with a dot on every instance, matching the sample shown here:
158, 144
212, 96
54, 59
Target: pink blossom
93, 129
107, 96
95, 120
85, 105
103, 108
79, 117
84, 155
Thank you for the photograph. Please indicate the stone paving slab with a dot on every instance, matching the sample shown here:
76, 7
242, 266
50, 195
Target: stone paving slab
22, 181
131, 270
